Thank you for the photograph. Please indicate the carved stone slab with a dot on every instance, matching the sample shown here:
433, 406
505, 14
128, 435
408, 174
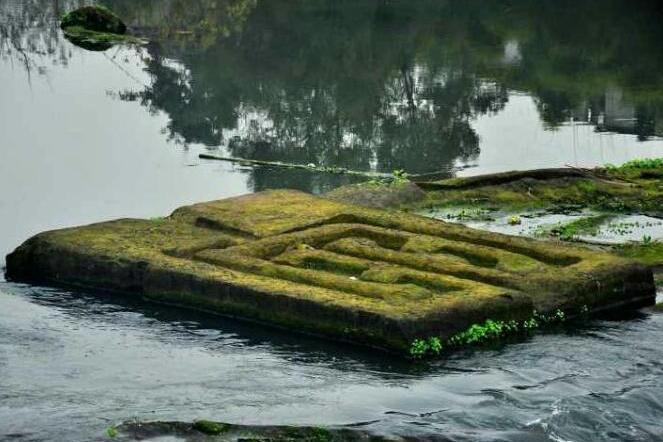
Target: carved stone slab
313, 265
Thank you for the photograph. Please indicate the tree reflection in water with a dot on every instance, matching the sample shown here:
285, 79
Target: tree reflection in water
381, 85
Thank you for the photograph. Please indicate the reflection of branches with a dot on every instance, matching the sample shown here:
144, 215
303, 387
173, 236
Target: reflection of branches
29, 33
27, 62
125, 71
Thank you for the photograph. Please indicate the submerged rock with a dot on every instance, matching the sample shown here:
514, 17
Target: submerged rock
202, 431
385, 279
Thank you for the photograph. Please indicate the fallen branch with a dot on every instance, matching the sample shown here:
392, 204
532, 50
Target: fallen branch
310, 167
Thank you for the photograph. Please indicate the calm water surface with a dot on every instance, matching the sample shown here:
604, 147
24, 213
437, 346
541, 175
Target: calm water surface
459, 87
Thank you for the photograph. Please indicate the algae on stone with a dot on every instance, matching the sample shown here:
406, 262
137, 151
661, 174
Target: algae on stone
95, 28
647, 253
202, 431
623, 189
373, 277
94, 18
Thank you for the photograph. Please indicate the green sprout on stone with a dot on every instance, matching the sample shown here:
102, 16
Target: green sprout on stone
490, 330
423, 347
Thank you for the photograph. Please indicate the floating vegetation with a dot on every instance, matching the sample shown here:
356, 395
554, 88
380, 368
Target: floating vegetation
584, 226
515, 220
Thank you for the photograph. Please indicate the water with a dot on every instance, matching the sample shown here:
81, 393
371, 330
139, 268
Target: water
367, 85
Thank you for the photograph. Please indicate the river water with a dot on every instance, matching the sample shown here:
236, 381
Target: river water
459, 87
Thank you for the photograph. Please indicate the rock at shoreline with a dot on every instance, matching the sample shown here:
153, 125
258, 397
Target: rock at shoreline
379, 278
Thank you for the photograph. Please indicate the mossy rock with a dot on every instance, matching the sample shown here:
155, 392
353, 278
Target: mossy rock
616, 190
210, 427
378, 195
367, 276
97, 41
95, 28
132, 431
94, 18
647, 253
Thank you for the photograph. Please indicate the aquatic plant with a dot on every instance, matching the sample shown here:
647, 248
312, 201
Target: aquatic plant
111, 432
422, 347
490, 330
582, 226
515, 220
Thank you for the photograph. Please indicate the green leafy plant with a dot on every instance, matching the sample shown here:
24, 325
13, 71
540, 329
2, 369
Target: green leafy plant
111, 432
400, 177
489, 330
422, 347
644, 163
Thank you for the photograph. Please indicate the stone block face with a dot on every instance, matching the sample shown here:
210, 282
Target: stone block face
350, 273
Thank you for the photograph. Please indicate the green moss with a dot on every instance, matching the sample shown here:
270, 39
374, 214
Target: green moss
311, 434
645, 163
647, 253
582, 226
97, 41
210, 427
368, 276
94, 18
490, 330
634, 187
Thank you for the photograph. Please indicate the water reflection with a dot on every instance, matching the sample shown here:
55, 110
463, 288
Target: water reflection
375, 85
389, 85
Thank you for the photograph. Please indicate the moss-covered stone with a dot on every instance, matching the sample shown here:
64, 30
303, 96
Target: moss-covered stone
378, 194
94, 18
625, 189
133, 430
367, 276
97, 41
96, 28
650, 253
210, 427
